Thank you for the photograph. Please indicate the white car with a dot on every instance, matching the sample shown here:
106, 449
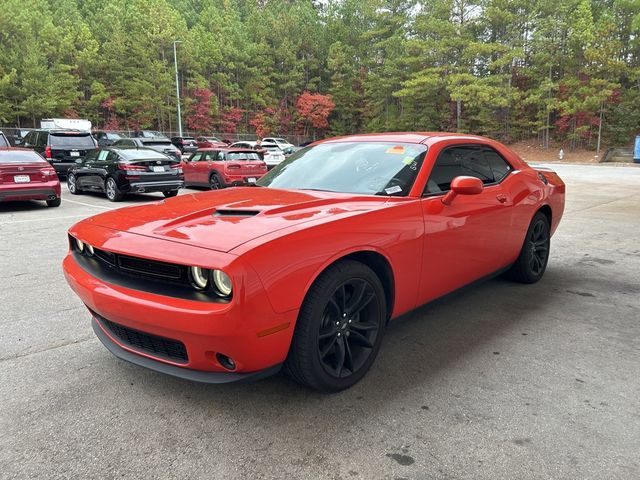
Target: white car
272, 155
282, 144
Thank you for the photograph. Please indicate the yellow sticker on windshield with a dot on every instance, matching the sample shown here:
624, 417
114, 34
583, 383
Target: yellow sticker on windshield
407, 160
397, 150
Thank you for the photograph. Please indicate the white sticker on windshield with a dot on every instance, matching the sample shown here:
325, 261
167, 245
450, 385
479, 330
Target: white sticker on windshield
394, 189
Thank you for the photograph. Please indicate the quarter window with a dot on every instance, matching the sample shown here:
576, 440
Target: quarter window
466, 160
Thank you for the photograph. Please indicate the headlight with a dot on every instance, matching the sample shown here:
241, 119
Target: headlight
222, 283
89, 249
79, 245
200, 277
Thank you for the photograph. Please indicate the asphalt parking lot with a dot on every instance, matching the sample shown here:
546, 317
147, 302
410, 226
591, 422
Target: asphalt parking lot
501, 381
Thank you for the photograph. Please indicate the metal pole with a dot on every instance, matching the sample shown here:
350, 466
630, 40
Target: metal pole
175, 62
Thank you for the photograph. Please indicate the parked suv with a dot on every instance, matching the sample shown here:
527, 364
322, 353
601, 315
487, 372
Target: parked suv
161, 145
61, 148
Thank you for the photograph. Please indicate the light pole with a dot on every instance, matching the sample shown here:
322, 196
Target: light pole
175, 62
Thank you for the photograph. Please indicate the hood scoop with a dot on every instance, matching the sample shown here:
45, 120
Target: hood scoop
235, 212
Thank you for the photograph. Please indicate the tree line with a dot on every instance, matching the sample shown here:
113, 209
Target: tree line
557, 70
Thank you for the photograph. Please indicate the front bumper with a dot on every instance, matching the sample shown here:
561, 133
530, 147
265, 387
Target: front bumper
242, 329
180, 372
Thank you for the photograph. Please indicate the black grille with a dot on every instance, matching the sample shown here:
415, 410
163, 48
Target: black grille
143, 267
148, 267
157, 346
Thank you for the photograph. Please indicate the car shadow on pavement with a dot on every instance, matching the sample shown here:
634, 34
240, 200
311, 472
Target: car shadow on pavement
22, 206
415, 348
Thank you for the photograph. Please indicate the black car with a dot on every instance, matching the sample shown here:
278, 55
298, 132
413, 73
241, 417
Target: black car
106, 139
186, 145
117, 172
61, 148
158, 144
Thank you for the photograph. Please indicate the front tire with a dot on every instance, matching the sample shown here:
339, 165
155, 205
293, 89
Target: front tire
112, 191
72, 184
532, 262
339, 329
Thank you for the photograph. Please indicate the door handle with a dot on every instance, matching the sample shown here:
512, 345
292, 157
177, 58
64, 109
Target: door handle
501, 198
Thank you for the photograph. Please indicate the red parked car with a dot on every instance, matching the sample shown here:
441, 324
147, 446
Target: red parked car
26, 175
223, 167
306, 270
211, 142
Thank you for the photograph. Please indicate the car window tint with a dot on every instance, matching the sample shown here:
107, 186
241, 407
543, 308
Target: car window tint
71, 141
42, 139
207, 156
455, 162
20, 156
91, 156
499, 166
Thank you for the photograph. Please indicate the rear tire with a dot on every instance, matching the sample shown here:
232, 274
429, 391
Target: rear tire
54, 203
214, 182
112, 191
171, 193
532, 262
72, 184
339, 328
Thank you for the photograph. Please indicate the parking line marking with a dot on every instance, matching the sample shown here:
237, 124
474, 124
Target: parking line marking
89, 205
11, 222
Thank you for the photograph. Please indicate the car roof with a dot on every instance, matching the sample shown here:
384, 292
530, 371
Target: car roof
226, 149
402, 137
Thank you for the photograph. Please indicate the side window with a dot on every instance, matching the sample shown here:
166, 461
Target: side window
112, 157
102, 156
91, 156
467, 160
207, 156
220, 156
499, 166
196, 157
28, 139
42, 139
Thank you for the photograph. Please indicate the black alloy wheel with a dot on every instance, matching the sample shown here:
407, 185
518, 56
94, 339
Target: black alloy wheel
214, 182
339, 328
534, 255
349, 328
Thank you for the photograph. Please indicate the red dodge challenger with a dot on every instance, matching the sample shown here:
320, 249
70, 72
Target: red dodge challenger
306, 268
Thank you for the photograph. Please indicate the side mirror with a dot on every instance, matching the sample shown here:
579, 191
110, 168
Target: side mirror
463, 186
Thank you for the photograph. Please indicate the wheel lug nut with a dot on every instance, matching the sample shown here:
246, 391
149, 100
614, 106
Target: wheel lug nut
344, 315
338, 334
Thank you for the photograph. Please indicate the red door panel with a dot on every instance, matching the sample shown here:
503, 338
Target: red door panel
464, 241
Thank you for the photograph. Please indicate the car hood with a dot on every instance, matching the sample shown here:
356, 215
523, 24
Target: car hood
225, 219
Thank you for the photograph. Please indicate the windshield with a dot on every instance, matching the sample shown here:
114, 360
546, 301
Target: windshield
20, 156
370, 168
3, 141
71, 140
